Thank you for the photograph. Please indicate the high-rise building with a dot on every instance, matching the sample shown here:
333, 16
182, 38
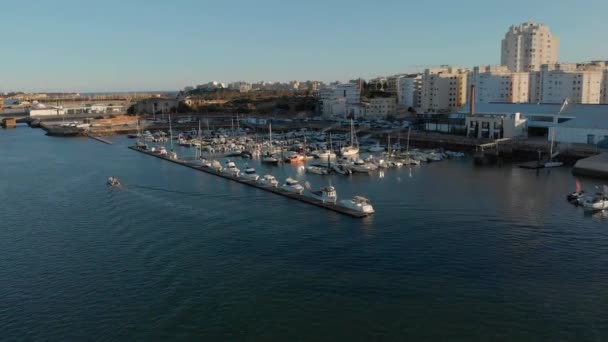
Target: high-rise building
499, 84
443, 90
528, 46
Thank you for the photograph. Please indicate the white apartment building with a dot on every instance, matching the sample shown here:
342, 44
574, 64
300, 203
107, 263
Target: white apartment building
242, 87
443, 90
528, 46
210, 86
350, 91
580, 83
499, 84
337, 98
408, 94
381, 107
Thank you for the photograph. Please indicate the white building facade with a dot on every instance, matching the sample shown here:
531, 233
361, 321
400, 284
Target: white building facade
527, 46
408, 94
583, 83
499, 84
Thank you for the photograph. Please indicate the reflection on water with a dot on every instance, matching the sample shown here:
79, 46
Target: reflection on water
453, 252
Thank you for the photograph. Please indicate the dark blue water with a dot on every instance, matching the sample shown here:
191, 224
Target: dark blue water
453, 253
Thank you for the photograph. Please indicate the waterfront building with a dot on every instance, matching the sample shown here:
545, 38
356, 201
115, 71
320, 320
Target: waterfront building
443, 90
381, 107
499, 84
589, 125
409, 88
489, 126
527, 46
576, 124
46, 111
156, 105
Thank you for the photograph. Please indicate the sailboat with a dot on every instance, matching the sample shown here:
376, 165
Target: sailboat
268, 157
552, 162
409, 160
140, 144
353, 149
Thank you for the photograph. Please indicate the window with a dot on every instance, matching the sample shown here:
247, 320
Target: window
485, 125
590, 139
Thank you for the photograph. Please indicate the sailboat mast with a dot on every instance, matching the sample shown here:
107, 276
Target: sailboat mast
170, 133
408, 141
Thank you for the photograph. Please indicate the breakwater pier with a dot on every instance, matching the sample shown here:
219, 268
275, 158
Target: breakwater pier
305, 199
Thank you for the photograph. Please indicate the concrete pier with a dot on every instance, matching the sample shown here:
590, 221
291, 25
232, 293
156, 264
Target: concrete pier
596, 166
278, 191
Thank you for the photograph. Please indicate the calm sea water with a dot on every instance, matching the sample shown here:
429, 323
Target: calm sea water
454, 252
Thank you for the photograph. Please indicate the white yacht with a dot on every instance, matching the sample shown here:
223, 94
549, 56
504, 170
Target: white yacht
231, 169
326, 194
268, 180
292, 185
358, 203
250, 174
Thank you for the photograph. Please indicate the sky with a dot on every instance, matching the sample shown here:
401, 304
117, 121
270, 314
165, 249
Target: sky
136, 45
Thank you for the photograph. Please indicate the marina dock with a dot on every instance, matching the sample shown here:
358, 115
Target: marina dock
278, 191
596, 166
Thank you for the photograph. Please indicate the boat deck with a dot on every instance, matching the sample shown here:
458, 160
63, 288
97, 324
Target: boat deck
278, 191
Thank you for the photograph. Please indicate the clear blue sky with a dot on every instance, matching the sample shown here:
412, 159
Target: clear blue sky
152, 45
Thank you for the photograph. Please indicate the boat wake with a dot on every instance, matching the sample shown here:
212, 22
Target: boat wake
167, 190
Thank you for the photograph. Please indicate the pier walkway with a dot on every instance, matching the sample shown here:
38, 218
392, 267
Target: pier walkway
278, 191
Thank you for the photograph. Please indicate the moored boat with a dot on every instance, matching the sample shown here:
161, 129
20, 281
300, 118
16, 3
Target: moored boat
326, 194
358, 203
231, 169
292, 185
268, 180
250, 174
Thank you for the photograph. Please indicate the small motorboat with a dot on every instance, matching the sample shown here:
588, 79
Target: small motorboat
358, 203
578, 195
317, 170
250, 174
596, 203
292, 185
326, 194
113, 182
268, 180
